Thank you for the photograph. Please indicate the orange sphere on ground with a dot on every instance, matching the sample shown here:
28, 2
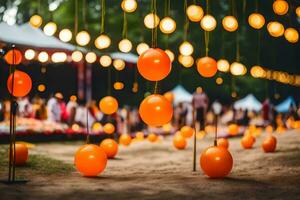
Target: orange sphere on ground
207, 67
223, 142
233, 129
21, 154
13, 57
179, 142
90, 160
216, 162
154, 64
156, 110
22, 84
125, 139
108, 105
139, 136
269, 144
169, 96
187, 131
109, 128
152, 137
248, 141
110, 147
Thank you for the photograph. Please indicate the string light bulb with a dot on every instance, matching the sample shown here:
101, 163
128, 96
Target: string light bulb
141, 48
256, 20
194, 13
167, 25
129, 5
102, 41
83, 38
77, 56
151, 21
186, 48
230, 23
275, 29
29, 54
291, 35
43, 57
208, 23
238, 69
280, 7
119, 64
65, 35
186, 61
50, 28
90, 57
35, 21
105, 61
170, 54
223, 65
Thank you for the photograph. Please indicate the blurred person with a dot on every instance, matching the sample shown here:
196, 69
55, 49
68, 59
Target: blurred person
1, 112
41, 111
200, 104
266, 108
180, 115
54, 108
71, 109
25, 108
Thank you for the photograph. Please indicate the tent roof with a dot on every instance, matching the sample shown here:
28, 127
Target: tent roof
127, 57
26, 35
285, 105
249, 102
181, 94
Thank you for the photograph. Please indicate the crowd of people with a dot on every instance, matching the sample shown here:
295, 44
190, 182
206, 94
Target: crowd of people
85, 114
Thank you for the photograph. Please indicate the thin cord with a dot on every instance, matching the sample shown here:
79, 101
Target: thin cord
156, 87
102, 29
186, 21
76, 18
124, 32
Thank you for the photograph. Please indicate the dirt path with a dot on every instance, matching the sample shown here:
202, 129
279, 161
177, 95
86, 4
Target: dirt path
158, 171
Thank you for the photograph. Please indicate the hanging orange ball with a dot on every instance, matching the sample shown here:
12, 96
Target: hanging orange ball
156, 110
22, 84
223, 142
207, 67
233, 129
109, 128
125, 139
108, 105
21, 154
90, 160
179, 142
269, 144
187, 131
154, 64
110, 147
13, 57
247, 141
152, 137
216, 162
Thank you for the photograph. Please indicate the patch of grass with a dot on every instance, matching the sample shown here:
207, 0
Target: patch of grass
36, 164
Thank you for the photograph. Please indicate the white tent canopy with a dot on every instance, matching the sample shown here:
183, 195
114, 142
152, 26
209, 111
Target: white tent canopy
248, 103
181, 95
286, 104
127, 57
26, 35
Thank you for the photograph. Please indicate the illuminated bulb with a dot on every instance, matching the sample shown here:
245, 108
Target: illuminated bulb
102, 42
90, 57
291, 35
170, 54
280, 7
257, 72
105, 61
65, 35
208, 23
125, 45
233, 94
36, 21
298, 11
151, 20
194, 13
186, 61
219, 80
118, 85
223, 65
59, 57
238, 69
119, 64
41, 88
43, 57
275, 29
167, 25
29, 54
186, 48
141, 48
256, 20
50, 28
83, 38
77, 56
230, 23
129, 5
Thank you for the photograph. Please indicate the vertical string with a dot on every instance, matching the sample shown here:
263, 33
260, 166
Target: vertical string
206, 33
124, 32
76, 18
156, 87
154, 30
186, 21
102, 29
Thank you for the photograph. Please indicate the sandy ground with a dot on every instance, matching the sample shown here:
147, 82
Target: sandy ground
158, 171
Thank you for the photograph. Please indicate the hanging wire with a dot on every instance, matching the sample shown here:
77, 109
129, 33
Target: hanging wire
124, 31
76, 18
186, 22
154, 30
206, 33
156, 87
102, 28
167, 13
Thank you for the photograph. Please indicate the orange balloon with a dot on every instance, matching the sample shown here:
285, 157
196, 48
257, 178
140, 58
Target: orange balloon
233, 129
125, 139
156, 110
169, 96
152, 137
269, 144
223, 142
207, 67
13, 57
21, 154
109, 128
179, 142
248, 141
90, 160
110, 147
216, 162
154, 64
22, 84
108, 105
187, 131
